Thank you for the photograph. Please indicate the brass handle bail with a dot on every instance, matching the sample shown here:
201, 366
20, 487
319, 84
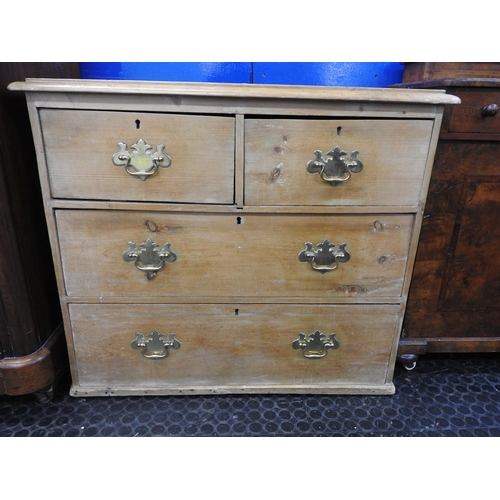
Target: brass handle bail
324, 257
335, 168
142, 162
154, 345
316, 345
149, 258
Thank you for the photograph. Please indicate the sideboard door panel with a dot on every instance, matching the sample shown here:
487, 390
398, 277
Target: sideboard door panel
473, 278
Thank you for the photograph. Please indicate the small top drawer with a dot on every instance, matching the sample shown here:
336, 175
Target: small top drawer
478, 112
104, 155
277, 153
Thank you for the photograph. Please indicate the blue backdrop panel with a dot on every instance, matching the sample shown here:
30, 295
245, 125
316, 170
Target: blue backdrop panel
373, 74
233, 72
360, 74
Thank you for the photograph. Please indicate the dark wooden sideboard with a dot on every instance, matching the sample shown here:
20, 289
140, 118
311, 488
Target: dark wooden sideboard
32, 348
454, 298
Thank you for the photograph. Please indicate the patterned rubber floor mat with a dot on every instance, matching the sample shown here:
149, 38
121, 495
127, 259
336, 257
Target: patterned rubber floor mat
445, 395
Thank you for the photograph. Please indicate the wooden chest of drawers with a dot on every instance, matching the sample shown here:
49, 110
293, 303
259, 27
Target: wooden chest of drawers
232, 238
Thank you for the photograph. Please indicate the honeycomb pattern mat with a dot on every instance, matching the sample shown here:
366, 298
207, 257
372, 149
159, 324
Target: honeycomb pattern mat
444, 395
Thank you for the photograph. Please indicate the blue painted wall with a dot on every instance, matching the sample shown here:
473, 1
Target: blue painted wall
177, 72
361, 74
364, 74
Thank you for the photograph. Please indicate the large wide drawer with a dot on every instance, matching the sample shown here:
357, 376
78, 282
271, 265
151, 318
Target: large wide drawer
80, 146
393, 153
221, 255
229, 348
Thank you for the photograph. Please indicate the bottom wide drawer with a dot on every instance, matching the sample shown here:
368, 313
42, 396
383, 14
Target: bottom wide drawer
122, 349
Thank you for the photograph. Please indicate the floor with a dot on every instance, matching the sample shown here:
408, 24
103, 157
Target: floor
444, 395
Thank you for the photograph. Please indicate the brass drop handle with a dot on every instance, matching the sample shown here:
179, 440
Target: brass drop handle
324, 257
154, 345
316, 345
336, 168
150, 258
490, 110
142, 162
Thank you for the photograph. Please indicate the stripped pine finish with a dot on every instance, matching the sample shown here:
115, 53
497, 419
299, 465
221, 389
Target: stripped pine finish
248, 260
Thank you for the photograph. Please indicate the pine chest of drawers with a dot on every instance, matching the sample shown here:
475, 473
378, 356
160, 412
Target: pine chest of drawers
213, 238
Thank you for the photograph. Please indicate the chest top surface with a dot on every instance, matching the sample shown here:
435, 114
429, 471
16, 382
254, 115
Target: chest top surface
423, 96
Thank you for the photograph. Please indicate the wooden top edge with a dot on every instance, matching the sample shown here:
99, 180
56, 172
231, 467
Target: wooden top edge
236, 90
450, 82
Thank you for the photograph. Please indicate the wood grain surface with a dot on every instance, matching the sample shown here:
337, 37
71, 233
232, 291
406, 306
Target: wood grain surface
79, 146
228, 346
223, 255
455, 288
394, 154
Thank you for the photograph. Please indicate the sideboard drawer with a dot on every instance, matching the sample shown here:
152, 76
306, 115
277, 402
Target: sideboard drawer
216, 253
80, 147
277, 153
471, 116
231, 347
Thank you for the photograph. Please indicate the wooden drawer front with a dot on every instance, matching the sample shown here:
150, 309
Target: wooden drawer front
230, 346
394, 155
468, 116
80, 146
221, 255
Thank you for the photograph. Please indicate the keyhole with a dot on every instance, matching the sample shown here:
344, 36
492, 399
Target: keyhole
238, 220
138, 124
339, 131
236, 312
